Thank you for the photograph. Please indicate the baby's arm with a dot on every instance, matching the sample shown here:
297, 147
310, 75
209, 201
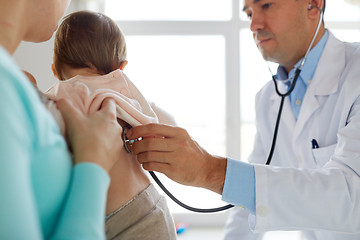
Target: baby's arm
163, 116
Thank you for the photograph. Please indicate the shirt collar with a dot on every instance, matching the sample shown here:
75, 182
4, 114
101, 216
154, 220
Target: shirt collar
310, 65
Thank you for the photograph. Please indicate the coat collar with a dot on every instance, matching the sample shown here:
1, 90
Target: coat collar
330, 67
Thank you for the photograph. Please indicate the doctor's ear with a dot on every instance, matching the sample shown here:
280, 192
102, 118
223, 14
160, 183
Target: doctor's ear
314, 9
316, 4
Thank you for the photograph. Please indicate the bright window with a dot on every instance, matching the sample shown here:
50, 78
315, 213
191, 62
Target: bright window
184, 75
169, 9
342, 11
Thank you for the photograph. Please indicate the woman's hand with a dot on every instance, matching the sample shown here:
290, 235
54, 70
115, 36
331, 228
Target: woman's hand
93, 138
170, 150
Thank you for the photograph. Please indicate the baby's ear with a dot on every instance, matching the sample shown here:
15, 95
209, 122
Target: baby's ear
54, 71
123, 65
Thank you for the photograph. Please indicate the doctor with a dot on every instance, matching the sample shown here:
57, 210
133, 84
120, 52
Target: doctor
313, 186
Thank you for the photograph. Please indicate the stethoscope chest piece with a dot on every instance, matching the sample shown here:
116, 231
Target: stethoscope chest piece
128, 142
125, 140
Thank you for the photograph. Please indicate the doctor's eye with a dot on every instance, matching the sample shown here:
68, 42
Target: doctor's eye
266, 6
248, 15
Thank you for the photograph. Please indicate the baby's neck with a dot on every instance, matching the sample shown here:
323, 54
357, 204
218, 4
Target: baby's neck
88, 72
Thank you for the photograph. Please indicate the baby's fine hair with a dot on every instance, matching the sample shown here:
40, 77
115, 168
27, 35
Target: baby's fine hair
87, 39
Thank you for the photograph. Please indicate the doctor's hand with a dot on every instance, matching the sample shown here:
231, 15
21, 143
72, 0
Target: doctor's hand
95, 137
170, 150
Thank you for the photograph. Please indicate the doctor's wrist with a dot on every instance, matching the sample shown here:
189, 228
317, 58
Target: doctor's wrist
216, 174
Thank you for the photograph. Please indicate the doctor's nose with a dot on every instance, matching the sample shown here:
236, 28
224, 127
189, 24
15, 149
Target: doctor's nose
256, 23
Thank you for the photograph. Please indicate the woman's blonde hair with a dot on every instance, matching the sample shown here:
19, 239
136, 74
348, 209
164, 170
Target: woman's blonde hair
88, 40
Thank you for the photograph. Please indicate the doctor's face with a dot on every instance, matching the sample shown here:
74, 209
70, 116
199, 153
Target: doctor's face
280, 29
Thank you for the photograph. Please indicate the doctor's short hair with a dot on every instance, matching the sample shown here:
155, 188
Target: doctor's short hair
87, 39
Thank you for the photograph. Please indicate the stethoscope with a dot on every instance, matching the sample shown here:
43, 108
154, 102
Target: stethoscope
283, 95
268, 161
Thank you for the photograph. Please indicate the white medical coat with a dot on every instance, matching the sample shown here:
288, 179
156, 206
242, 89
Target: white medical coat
315, 190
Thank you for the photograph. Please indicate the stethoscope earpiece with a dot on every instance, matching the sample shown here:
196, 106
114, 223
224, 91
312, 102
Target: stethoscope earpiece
310, 6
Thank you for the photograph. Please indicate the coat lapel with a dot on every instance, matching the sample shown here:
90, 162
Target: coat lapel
325, 81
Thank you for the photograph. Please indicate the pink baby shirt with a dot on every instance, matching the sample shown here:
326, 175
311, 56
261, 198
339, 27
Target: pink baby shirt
88, 92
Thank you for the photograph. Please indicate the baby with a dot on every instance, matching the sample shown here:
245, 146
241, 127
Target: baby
89, 56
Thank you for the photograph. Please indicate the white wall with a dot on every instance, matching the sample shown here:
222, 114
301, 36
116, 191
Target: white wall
36, 58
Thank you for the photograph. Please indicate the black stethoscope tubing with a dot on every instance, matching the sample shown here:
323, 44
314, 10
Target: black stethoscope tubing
282, 95
212, 210
268, 161
172, 197
228, 206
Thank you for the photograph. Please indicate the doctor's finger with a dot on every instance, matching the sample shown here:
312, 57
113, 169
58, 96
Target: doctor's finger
152, 144
159, 157
156, 166
173, 166
154, 129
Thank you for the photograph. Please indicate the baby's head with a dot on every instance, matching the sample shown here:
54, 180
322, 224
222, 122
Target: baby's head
89, 42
